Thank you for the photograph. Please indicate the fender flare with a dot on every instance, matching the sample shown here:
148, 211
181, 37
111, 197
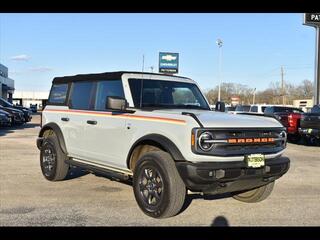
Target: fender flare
54, 127
161, 140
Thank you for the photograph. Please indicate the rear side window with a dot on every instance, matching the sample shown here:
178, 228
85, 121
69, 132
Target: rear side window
82, 95
268, 110
58, 93
110, 88
254, 109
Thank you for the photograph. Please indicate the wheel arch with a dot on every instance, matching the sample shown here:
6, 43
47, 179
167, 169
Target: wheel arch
57, 130
157, 141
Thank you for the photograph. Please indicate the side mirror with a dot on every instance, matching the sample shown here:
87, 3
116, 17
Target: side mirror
116, 103
220, 107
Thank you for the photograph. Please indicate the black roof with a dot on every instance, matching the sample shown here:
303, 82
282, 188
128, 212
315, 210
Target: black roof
101, 76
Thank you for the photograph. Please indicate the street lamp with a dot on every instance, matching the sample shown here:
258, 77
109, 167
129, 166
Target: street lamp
219, 42
254, 95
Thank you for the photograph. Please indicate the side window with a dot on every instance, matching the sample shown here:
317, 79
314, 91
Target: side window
268, 110
82, 94
254, 109
58, 93
110, 88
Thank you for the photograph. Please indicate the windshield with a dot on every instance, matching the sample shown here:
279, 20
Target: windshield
5, 103
243, 108
166, 94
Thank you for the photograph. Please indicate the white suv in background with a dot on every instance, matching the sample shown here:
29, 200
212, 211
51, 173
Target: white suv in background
159, 132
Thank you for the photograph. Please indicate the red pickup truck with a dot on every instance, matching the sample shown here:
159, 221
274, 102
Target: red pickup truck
289, 117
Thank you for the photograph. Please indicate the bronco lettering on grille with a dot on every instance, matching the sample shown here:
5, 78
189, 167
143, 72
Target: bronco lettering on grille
250, 140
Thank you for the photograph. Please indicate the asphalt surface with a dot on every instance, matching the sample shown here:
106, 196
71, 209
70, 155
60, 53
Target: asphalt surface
27, 198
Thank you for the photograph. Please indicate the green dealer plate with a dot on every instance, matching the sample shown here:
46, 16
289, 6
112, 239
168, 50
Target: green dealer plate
255, 160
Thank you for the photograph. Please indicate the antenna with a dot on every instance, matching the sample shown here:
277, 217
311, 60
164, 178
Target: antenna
141, 88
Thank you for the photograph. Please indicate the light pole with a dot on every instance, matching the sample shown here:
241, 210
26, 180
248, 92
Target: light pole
254, 96
219, 42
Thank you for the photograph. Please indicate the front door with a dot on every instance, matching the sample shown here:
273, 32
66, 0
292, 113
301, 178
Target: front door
106, 129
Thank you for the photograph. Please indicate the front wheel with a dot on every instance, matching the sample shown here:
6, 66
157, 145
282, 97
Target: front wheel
157, 185
255, 195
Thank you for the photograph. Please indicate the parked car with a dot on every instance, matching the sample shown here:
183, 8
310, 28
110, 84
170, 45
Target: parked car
16, 115
27, 113
5, 118
158, 131
258, 108
310, 125
289, 117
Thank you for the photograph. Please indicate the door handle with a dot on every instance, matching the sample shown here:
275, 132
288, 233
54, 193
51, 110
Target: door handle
92, 122
65, 119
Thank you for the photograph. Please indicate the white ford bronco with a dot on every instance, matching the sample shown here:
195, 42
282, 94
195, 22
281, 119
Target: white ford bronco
158, 132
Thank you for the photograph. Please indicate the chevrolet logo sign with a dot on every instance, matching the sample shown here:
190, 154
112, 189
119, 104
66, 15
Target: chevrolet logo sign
168, 57
250, 140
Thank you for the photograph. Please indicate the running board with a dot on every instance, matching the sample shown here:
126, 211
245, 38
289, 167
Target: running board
106, 171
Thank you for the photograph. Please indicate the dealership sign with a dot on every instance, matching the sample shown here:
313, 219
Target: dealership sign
312, 19
168, 62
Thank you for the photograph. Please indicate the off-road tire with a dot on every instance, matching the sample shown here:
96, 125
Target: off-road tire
173, 192
255, 195
59, 167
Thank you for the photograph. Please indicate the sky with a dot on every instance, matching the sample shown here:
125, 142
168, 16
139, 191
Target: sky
38, 47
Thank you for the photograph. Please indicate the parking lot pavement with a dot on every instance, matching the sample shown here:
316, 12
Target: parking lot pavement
26, 198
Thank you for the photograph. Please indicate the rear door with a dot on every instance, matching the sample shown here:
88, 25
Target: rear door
81, 102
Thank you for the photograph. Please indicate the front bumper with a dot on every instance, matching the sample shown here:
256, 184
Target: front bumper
223, 177
27, 117
18, 119
5, 121
310, 132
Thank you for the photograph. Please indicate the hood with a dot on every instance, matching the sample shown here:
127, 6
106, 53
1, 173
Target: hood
213, 119
4, 112
14, 110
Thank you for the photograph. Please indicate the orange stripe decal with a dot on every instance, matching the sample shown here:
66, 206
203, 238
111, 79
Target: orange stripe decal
122, 115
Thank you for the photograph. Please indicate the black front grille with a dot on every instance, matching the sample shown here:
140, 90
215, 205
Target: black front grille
228, 143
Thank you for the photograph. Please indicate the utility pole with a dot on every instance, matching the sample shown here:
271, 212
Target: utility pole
254, 96
282, 86
143, 63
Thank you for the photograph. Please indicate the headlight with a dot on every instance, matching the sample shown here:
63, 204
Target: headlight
205, 141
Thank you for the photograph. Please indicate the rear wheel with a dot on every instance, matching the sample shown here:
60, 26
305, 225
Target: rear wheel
52, 160
157, 185
255, 195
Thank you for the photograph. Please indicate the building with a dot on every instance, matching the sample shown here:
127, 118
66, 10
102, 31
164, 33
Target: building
6, 84
26, 99
304, 104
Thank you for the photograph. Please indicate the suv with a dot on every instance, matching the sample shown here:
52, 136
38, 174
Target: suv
158, 131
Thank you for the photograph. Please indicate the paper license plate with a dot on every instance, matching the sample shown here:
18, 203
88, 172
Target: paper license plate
255, 160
